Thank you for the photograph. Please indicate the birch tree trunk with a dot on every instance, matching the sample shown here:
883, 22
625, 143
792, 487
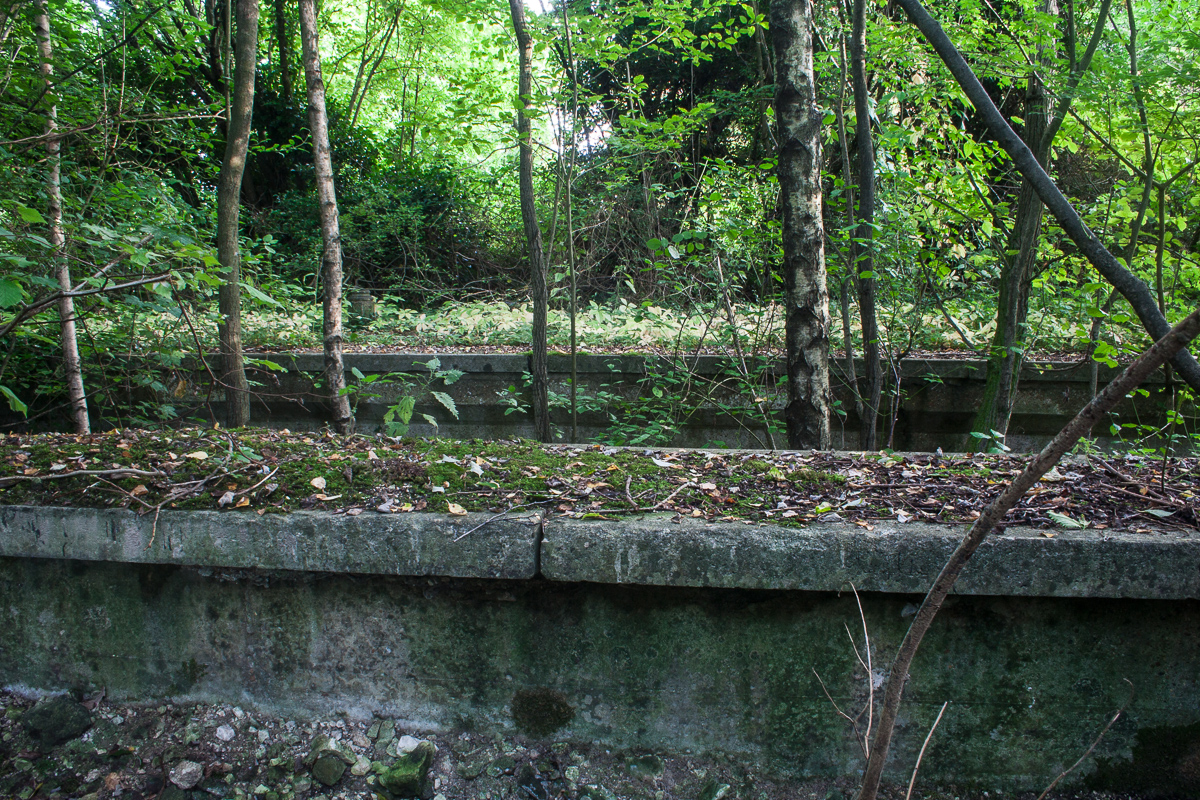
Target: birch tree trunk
533, 235
805, 294
58, 241
229, 189
331, 236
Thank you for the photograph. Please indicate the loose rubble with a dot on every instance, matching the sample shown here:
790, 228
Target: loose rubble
62, 747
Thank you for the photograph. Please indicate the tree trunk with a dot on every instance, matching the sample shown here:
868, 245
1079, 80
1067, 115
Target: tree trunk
864, 266
58, 240
1016, 276
1017, 273
538, 289
331, 236
1132, 288
284, 43
806, 295
229, 189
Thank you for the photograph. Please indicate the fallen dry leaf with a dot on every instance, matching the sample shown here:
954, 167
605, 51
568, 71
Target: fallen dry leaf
198, 455
245, 501
318, 482
456, 510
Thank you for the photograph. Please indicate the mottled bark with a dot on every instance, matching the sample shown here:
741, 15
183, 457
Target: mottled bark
807, 299
864, 267
229, 190
538, 289
72, 366
331, 236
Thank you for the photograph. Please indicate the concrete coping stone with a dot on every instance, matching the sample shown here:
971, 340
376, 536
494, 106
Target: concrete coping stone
650, 551
891, 557
369, 543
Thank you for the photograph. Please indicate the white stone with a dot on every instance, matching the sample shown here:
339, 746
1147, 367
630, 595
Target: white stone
362, 765
406, 744
186, 774
225, 733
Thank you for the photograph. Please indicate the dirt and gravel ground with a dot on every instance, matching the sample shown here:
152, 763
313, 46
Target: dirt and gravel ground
96, 750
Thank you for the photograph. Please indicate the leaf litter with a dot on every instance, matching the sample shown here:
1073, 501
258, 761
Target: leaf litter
278, 471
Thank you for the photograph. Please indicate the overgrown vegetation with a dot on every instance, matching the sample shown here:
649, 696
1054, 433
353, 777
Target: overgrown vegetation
657, 126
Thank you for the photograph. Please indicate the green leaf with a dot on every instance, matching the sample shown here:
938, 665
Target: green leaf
1064, 521
356, 372
11, 293
404, 409
265, 363
14, 402
30, 215
260, 295
1161, 513
447, 401
430, 420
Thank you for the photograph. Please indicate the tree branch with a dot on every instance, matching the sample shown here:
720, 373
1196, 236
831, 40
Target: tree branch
1129, 285
1092, 413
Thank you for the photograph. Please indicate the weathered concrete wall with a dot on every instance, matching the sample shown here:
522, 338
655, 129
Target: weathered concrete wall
937, 406
646, 654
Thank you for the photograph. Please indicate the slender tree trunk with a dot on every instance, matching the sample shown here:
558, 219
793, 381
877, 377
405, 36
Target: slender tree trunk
839, 111
533, 235
1016, 276
58, 241
1018, 271
864, 267
806, 295
331, 236
284, 42
569, 188
1132, 288
229, 189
